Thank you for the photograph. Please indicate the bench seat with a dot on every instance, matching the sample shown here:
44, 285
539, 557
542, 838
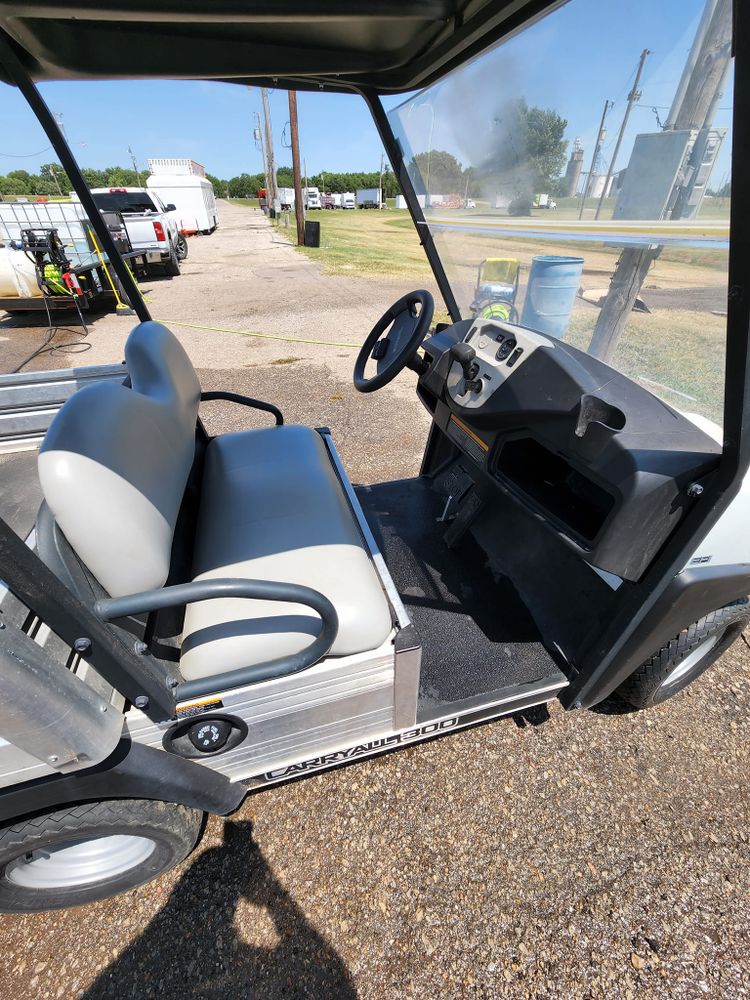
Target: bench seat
272, 508
114, 468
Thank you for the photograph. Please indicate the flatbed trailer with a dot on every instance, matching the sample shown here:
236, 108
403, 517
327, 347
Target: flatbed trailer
94, 289
88, 263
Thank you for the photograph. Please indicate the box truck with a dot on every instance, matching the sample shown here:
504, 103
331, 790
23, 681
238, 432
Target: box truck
370, 198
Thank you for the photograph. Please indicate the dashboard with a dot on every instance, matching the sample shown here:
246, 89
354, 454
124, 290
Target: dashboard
591, 454
500, 349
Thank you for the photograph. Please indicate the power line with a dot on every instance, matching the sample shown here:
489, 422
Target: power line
23, 156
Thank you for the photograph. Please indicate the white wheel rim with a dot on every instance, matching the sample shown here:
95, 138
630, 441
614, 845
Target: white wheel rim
685, 666
79, 862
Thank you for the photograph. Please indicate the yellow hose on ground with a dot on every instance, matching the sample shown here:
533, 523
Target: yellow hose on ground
260, 336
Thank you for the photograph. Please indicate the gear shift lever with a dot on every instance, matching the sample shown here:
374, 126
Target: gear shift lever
465, 354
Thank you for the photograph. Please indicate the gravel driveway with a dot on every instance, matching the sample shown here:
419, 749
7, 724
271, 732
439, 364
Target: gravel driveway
566, 855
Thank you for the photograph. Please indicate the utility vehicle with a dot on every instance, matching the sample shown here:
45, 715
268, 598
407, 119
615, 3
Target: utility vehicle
191, 619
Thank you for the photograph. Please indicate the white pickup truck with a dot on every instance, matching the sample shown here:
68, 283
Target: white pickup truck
149, 224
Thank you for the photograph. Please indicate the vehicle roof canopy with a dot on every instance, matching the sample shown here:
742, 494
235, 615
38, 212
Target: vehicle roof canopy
387, 46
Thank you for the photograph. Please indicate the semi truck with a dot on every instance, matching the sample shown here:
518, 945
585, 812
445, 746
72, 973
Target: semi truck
311, 197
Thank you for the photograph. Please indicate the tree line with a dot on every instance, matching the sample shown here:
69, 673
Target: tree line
524, 153
52, 181
247, 185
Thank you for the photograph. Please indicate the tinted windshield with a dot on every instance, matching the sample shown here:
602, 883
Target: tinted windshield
576, 180
125, 201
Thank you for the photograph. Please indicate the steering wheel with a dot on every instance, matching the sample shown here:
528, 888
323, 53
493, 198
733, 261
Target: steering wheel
408, 328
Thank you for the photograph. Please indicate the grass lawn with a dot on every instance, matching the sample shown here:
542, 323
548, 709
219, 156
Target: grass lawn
366, 243
677, 352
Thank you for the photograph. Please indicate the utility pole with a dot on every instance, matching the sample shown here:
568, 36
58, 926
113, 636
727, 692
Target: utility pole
299, 212
633, 96
54, 178
597, 149
258, 136
381, 202
135, 165
694, 105
273, 188
698, 92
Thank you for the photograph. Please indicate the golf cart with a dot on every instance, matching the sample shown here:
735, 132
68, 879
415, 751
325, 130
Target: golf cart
192, 618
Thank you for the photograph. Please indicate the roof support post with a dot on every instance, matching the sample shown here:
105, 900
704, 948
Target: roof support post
395, 155
17, 73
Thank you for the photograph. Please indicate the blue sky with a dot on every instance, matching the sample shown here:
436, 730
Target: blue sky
210, 122
572, 61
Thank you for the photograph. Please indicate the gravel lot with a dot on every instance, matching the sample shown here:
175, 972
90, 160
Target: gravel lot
594, 854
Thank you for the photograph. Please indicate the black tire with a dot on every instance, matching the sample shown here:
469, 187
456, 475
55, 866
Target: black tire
172, 830
172, 264
181, 248
681, 661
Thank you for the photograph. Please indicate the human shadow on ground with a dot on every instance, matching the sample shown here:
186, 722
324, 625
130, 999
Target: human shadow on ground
194, 947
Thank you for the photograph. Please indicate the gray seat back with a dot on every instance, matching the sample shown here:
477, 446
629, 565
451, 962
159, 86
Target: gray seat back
115, 461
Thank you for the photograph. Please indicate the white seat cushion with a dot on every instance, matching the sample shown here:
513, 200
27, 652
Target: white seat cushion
115, 462
272, 508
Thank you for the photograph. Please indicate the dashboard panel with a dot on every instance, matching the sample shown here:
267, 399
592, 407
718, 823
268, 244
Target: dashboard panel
598, 458
501, 349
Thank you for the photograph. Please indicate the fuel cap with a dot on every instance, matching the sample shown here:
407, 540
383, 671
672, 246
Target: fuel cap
209, 736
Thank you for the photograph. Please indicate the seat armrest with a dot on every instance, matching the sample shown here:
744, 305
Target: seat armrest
236, 397
112, 608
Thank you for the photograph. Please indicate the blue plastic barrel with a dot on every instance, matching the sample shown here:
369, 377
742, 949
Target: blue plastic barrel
550, 293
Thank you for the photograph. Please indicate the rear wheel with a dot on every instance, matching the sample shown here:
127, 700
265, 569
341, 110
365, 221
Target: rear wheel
686, 656
172, 263
87, 852
181, 247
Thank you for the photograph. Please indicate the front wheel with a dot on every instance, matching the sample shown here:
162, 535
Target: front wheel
92, 851
685, 657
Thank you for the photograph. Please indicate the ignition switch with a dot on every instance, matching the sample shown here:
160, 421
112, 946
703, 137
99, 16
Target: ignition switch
209, 736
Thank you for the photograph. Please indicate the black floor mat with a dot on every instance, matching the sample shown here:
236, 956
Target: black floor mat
477, 636
20, 492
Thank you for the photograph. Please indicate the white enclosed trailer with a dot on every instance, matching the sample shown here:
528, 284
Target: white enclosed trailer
369, 198
193, 198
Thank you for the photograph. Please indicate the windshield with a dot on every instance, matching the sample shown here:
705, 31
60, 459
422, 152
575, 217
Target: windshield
125, 201
576, 181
